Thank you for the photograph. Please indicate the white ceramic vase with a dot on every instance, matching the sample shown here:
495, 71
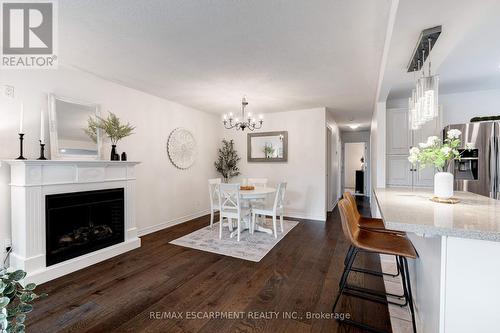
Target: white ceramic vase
443, 185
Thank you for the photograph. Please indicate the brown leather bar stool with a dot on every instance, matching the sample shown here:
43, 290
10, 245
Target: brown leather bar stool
369, 223
375, 242
373, 224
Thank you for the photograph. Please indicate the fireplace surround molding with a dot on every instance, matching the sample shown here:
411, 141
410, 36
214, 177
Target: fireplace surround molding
32, 180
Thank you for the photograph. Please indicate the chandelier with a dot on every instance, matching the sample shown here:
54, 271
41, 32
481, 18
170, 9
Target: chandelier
423, 104
246, 122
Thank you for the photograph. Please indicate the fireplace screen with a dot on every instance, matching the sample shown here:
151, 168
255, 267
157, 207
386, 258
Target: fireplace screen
83, 222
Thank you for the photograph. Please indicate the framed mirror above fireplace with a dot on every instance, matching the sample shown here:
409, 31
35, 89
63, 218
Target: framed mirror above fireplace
68, 126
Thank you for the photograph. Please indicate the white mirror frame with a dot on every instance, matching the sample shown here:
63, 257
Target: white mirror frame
54, 139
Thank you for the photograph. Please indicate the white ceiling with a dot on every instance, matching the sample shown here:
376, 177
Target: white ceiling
466, 56
207, 54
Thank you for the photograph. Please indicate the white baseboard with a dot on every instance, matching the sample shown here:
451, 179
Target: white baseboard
301, 215
335, 204
171, 223
179, 220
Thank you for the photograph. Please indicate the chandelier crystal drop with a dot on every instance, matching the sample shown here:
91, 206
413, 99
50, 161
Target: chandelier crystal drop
246, 121
423, 104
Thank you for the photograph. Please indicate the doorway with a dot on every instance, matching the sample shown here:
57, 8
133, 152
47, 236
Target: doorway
355, 167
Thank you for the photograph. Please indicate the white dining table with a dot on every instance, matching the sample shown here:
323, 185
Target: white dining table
257, 193
249, 195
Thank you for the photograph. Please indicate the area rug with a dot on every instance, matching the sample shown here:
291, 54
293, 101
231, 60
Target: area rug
250, 247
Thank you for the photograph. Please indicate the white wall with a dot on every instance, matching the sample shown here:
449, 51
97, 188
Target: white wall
459, 108
165, 194
353, 152
335, 163
377, 152
306, 167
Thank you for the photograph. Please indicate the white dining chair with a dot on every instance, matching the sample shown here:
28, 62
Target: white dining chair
274, 209
257, 182
230, 206
213, 191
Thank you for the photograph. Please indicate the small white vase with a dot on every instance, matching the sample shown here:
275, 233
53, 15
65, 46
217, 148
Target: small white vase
443, 185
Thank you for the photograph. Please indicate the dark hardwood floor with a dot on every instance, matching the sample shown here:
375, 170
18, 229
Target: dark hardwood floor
136, 291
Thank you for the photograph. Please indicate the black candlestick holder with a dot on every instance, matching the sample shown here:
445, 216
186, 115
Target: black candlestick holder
42, 151
21, 138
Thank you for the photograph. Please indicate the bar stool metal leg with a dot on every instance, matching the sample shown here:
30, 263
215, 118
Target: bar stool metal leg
409, 293
348, 254
369, 294
369, 271
343, 279
351, 256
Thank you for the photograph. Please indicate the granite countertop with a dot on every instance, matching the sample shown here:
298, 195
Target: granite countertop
410, 210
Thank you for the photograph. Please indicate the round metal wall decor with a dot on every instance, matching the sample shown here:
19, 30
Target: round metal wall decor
181, 148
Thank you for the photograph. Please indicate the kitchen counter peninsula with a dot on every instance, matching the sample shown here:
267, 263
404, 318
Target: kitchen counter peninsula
456, 275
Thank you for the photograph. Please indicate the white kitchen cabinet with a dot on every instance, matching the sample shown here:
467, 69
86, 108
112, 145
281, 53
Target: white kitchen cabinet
424, 177
398, 136
398, 170
399, 140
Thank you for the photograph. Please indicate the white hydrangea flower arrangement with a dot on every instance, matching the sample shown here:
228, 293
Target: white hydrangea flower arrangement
437, 153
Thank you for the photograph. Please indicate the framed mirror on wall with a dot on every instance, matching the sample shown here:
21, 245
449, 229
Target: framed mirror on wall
267, 147
68, 127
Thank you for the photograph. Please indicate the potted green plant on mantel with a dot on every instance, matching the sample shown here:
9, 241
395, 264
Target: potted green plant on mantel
15, 301
439, 154
114, 129
227, 161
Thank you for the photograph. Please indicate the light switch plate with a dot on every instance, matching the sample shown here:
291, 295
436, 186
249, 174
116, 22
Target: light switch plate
9, 91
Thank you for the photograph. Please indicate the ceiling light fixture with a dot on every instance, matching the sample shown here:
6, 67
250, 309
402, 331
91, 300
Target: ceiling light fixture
250, 123
354, 126
423, 103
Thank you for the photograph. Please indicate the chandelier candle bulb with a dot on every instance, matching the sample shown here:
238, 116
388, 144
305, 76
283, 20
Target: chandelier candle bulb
21, 119
42, 127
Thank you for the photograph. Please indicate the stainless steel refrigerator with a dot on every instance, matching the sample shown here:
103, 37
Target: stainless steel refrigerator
478, 169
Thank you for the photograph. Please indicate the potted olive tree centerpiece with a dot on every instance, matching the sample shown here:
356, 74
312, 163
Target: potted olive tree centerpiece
113, 128
439, 154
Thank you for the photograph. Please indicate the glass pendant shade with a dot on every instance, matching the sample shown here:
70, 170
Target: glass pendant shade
423, 104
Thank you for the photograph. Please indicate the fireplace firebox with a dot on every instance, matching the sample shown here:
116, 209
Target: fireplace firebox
82, 222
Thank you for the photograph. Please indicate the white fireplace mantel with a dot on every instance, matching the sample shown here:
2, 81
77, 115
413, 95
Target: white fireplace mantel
32, 180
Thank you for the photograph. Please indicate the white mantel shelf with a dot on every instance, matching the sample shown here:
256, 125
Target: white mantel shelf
28, 161
32, 180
